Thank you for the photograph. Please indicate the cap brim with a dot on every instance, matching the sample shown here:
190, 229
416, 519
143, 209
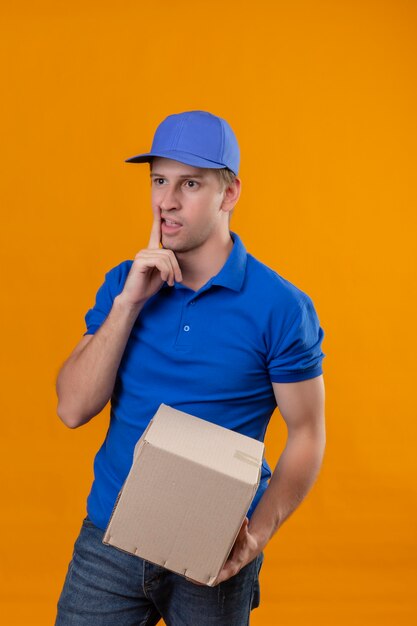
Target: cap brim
175, 155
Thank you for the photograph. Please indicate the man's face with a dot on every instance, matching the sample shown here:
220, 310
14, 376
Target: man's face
189, 201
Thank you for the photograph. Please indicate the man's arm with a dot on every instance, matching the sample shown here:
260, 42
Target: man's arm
302, 406
86, 380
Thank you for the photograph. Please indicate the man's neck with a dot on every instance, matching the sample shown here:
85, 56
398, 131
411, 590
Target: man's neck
198, 266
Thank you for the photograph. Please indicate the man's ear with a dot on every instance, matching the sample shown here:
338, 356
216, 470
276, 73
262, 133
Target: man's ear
231, 195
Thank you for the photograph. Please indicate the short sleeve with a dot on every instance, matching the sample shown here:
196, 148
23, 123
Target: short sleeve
297, 355
113, 285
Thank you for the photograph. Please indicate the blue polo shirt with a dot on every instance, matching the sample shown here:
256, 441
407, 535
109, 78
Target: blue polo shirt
212, 353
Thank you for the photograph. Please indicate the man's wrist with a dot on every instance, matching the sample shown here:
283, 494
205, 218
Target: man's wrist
261, 536
122, 303
263, 527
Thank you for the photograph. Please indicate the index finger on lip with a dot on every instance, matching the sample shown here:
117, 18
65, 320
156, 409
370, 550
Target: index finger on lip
155, 237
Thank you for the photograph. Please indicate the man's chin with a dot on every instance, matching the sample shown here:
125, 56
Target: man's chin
167, 244
175, 246
182, 245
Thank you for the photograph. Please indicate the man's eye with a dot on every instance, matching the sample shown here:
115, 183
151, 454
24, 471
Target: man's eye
158, 181
191, 183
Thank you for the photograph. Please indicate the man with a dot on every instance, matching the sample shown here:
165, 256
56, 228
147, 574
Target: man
196, 323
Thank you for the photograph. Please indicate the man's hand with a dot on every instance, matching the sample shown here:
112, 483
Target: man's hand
245, 549
150, 269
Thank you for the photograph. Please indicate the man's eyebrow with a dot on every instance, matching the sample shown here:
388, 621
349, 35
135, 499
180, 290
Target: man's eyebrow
181, 176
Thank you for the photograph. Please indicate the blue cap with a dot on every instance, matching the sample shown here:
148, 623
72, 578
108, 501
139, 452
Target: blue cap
196, 138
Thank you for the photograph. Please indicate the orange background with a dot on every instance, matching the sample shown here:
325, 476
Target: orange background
322, 96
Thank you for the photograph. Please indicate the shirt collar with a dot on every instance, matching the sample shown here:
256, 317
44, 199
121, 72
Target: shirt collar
233, 271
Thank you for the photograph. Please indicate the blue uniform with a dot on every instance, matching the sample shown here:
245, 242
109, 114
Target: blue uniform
212, 353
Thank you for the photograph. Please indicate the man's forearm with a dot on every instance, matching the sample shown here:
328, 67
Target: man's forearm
292, 479
86, 380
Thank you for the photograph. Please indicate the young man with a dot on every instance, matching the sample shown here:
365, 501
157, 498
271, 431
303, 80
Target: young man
196, 323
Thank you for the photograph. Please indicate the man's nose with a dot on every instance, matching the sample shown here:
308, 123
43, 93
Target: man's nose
169, 200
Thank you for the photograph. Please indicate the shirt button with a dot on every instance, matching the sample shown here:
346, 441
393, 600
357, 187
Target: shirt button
192, 303
186, 328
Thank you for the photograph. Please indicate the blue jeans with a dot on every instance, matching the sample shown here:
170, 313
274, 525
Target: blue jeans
107, 587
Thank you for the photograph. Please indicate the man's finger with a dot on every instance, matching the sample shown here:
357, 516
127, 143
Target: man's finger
231, 568
155, 238
160, 258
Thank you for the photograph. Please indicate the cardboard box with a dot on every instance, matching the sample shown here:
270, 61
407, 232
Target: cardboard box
187, 494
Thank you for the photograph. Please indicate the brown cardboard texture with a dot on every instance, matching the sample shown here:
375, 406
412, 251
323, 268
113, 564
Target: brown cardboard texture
187, 494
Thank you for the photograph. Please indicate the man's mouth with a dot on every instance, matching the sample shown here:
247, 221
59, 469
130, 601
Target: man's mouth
169, 225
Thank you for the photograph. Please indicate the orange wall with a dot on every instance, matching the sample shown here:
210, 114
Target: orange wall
322, 96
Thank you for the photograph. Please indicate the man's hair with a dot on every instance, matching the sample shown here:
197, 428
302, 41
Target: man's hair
226, 177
